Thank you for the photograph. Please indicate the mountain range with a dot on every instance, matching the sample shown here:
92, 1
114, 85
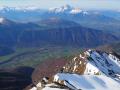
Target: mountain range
54, 31
96, 19
56, 43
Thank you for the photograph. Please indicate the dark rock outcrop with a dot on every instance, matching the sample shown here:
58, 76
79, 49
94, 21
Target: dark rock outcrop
15, 79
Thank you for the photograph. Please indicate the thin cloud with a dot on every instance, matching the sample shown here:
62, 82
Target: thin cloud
85, 4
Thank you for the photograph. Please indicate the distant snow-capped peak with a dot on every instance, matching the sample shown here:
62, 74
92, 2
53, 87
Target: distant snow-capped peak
60, 9
1, 20
67, 9
6, 8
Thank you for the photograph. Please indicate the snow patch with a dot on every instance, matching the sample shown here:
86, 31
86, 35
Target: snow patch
1, 20
76, 11
91, 69
88, 82
34, 88
49, 87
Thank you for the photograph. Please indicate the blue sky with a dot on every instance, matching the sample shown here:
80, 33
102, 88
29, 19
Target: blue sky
44, 4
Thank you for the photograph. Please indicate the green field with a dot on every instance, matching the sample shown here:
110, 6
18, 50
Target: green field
34, 56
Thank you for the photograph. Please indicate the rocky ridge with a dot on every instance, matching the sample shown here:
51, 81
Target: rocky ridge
93, 65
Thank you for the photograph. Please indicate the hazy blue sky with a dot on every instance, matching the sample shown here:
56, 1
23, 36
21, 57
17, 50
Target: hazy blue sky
84, 4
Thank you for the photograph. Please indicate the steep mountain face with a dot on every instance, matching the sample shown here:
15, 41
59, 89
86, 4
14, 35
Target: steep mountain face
54, 31
10, 31
87, 71
100, 62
